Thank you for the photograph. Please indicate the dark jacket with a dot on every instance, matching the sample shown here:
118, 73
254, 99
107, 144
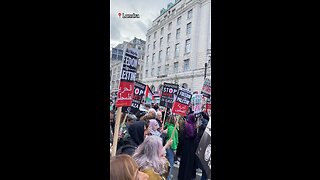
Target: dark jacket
136, 132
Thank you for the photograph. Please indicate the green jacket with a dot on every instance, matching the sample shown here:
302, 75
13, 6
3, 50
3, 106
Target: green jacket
175, 139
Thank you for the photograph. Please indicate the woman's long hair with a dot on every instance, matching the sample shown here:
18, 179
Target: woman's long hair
148, 155
123, 167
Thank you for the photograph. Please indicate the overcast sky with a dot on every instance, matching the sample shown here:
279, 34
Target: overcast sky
125, 29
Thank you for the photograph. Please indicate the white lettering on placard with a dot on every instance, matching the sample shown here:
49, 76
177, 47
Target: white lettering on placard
185, 95
184, 101
130, 62
127, 75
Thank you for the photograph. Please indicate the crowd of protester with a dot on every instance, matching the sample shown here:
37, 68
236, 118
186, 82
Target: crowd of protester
149, 146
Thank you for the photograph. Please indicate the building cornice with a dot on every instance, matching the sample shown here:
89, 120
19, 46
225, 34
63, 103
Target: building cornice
178, 13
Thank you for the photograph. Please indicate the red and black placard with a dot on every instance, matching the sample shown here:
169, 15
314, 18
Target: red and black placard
138, 94
181, 103
169, 91
127, 78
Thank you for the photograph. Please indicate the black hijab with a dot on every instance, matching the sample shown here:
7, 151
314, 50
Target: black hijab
136, 131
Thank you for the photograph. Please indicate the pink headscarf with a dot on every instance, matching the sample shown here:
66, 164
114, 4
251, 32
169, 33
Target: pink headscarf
152, 124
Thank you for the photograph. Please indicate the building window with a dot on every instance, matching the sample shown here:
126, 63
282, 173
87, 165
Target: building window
169, 26
152, 72
169, 37
188, 46
166, 71
178, 34
148, 48
146, 74
155, 35
149, 38
153, 57
179, 20
189, 28
161, 32
154, 45
161, 41
160, 54
177, 50
175, 67
186, 65
190, 14
168, 53
147, 61
159, 70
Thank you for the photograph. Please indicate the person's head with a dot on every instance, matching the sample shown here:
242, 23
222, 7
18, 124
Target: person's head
153, 124
152, 112
171, 119
148, 106
123, 167
131, 119
191, 118
159, 115
149, 155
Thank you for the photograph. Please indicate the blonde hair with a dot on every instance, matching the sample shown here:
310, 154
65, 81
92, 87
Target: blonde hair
123, 167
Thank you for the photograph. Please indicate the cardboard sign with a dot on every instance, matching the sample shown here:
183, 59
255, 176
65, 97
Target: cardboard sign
127, 78
206, 89
204, 150
138, 95
196, 102
181, 104
169, 91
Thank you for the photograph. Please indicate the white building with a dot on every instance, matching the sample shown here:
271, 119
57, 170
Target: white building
178, 45
116, 60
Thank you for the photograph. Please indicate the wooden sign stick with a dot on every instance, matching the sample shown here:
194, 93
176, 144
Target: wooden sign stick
116, 132
124, 120
175, 126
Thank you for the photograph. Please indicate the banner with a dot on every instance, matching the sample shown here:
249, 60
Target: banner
206, 89
138, 94
181, 104
169, 91
204, 150
196, 102
127, 78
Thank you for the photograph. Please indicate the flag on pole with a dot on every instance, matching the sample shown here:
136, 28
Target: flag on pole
149, 95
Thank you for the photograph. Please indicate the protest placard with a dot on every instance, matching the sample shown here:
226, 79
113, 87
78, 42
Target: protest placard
206, 89
196, 102
127, 78
181, 103
204, 150
169, 91
139, 89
